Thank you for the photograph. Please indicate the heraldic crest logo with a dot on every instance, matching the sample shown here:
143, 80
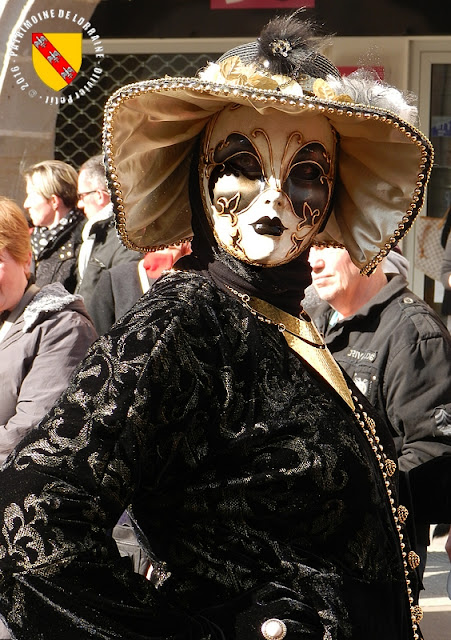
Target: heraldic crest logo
56, 57
56, 38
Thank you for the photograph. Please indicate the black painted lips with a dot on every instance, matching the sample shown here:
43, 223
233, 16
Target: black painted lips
267, 226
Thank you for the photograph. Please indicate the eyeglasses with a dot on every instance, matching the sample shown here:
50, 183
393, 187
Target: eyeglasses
83, 194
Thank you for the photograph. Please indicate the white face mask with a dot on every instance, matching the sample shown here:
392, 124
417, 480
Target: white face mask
267, 182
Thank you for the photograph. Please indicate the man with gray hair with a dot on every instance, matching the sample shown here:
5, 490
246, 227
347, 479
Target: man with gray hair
394, 347
101, 247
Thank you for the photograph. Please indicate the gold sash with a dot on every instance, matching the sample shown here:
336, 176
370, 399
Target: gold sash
302, 336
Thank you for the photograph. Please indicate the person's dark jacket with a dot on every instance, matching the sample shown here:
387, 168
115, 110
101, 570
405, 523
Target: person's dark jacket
115, 293
58, 261
107, 251
398, 352
446, 273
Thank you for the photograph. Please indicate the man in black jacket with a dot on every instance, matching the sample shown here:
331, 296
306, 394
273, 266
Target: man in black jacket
394, 347
101, 247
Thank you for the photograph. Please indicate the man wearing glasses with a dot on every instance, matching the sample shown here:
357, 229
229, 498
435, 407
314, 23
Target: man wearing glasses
101, 247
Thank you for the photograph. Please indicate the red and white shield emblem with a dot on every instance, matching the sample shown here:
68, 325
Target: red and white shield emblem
57, 57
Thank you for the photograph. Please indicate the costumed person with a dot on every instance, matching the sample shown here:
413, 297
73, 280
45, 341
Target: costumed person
264, 490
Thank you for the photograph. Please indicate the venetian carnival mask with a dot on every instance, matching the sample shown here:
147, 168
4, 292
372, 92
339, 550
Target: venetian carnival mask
267, 182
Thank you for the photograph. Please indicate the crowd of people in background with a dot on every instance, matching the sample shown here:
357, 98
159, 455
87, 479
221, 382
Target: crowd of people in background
75, 242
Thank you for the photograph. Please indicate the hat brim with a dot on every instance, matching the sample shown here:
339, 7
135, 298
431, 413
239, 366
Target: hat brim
150, 128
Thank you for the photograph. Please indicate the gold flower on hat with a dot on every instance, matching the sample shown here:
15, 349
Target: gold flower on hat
233, 72
236, 73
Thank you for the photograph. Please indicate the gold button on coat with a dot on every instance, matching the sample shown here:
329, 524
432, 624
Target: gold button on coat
390, 466
403, 513
414, 559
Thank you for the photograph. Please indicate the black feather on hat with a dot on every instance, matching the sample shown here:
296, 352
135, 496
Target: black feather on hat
290, 47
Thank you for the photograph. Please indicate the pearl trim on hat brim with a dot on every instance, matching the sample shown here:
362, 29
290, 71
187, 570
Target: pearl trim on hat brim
150, 128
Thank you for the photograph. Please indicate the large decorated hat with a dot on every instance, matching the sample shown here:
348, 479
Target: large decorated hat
384, 161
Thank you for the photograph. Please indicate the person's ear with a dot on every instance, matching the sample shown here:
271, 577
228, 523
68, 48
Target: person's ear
55, 201
103, 196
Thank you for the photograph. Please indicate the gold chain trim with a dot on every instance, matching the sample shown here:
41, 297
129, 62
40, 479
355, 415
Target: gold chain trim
368, 428
295, 336
303, 337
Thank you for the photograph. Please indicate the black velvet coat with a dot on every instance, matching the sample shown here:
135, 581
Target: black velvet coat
251, 479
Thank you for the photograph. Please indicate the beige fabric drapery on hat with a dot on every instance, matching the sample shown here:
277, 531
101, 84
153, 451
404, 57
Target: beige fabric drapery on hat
384, 161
